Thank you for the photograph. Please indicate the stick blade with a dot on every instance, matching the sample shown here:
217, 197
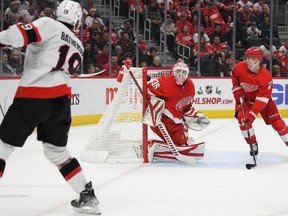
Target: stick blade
249, 166
186, 159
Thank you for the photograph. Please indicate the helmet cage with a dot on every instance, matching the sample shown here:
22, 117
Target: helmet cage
180, 72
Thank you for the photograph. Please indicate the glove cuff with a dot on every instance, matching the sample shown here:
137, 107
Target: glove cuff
253, 113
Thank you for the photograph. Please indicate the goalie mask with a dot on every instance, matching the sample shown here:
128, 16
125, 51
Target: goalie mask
180, 72
70, 12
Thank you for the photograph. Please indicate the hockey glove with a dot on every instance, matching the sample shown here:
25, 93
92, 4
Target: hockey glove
238, 92
195, 121
250, 117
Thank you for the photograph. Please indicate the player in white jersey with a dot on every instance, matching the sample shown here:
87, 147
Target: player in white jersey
43, 96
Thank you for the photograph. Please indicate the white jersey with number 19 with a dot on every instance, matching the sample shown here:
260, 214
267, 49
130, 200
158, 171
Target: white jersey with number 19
53, 52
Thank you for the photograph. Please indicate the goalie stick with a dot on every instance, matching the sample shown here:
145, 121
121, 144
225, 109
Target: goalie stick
248, 166
163, 129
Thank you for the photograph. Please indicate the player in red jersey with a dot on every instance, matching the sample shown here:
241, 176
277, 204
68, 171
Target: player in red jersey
253, 82
177, 91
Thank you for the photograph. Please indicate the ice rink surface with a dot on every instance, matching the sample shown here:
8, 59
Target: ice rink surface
219, 185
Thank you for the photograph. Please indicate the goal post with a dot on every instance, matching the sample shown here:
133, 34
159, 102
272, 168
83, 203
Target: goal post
120, 136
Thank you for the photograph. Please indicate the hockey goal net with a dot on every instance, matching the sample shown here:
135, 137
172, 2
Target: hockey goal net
120, 136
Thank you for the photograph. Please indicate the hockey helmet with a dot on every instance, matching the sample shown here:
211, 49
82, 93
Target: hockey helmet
180, 71
70, 12
254, 52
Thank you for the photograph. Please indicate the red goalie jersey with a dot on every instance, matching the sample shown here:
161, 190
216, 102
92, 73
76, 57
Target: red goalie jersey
177, 97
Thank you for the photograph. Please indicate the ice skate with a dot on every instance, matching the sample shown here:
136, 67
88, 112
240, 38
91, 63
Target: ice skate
255, 149
87, 203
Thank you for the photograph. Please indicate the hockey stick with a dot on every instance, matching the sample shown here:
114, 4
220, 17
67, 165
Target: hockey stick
2, 111
248, 166
163, 129
91, 75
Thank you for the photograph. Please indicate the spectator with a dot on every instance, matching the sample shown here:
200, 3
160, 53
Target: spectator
127, 45
213, 13
5, 68
226, 8
227, 25
253, 31
245, 17
95, 40
24, 5
183, 9
205, 56
127, 27
265, 28
229, 36
97, 26
156, 62
153, 14
119, 53
179, 24
49, 11
242, 3
92, 14
170, 32
218, 32
258, 6
102, 57
14, 8
203, 33
194, 23
283, 49
284, 65
208, 26
89, 5
273, 53
114, 35
143, 62
29, 15
260, 16
143, 55
184, 37
88, 56
114, 67
16, 61
90, 69
152, 53
216, 46
11, 19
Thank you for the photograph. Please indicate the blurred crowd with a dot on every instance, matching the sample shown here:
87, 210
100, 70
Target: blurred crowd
216, 34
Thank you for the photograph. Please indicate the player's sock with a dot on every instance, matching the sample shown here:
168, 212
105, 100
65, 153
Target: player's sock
73, 174
2, 167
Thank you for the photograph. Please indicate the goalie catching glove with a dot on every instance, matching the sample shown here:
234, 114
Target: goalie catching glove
195, 121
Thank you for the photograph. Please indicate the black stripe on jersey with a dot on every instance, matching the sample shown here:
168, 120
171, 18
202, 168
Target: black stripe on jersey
30, 33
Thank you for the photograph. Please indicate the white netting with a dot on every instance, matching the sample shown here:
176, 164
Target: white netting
118, 137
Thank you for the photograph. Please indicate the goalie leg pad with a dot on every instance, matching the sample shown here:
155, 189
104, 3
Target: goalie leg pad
162, 151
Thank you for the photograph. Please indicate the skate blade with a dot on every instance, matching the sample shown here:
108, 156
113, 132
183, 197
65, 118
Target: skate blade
88, 210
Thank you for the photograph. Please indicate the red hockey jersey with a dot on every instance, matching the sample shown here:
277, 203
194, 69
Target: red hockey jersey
256, 87
177, 98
